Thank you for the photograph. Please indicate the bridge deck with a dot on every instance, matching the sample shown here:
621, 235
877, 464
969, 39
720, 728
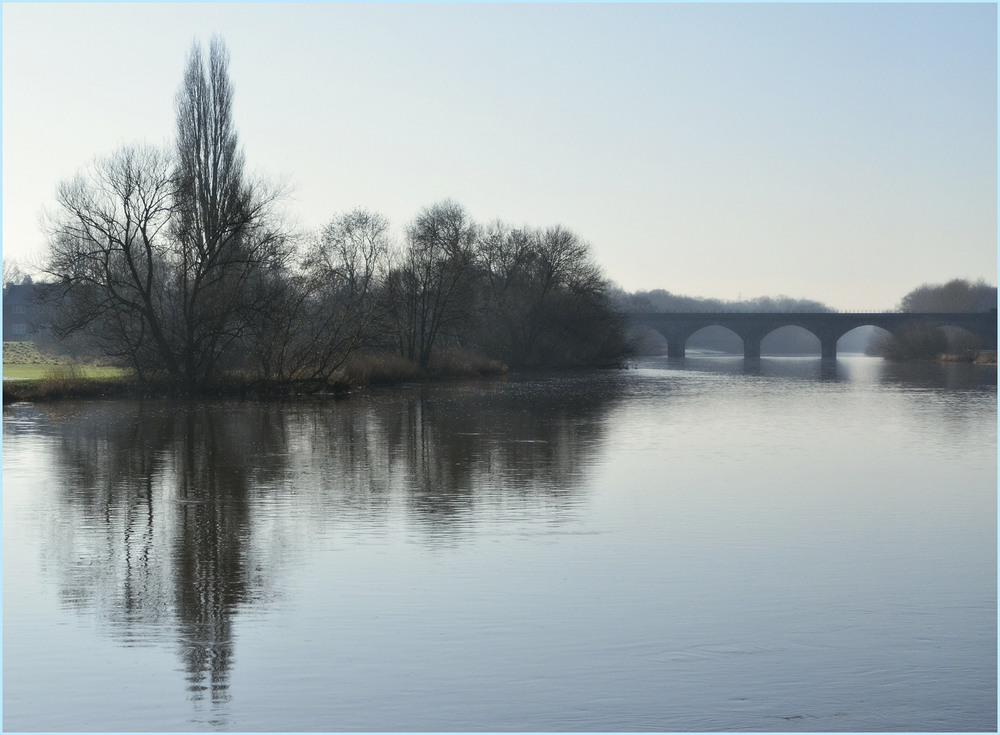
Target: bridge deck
829, 327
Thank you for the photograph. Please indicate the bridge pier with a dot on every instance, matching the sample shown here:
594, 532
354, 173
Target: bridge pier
676, 341
828, 348
751, 348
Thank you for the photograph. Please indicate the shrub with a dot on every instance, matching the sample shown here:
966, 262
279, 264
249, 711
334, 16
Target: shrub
457, 363
915, 341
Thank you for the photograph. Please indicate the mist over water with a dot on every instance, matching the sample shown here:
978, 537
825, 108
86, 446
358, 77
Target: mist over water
699, 544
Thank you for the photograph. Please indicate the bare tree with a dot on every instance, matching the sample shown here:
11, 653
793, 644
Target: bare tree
347, 262
431, 290
108, 251
545, 298
323, 312
12, 272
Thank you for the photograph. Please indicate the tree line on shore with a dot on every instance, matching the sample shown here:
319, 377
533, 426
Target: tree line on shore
178, 264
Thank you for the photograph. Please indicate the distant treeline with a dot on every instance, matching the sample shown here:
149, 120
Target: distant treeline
957, 295
659, 300
176, 263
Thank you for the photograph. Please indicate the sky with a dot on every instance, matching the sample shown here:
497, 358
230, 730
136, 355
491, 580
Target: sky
845, 153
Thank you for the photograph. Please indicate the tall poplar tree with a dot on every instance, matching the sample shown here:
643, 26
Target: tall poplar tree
226, 237
166, 258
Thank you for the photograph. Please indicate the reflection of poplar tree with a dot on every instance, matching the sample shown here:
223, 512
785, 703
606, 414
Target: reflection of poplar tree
210, 571
145, 479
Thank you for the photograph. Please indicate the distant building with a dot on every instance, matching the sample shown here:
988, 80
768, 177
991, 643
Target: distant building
21, 312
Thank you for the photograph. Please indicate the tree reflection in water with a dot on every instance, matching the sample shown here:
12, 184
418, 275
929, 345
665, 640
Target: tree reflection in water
178, 515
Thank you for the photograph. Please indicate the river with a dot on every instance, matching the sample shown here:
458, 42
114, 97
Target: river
686, 545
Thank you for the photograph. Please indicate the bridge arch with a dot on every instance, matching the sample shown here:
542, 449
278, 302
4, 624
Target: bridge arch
715, 337
826, 341
791, 339
862, 339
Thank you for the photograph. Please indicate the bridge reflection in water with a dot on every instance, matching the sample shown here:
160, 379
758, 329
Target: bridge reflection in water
829, 327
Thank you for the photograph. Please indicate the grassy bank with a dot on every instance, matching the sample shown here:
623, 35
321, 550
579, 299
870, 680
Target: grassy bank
41, 372
43, 380
25, 361
33, 374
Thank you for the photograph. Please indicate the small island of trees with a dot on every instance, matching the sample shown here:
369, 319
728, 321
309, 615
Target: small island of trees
178, 264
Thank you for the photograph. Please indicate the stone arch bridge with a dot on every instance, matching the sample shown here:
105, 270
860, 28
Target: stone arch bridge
829, 327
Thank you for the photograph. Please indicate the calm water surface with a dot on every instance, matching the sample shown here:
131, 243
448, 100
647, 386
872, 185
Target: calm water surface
692, 545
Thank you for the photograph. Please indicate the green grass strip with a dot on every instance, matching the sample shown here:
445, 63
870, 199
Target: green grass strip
41, 372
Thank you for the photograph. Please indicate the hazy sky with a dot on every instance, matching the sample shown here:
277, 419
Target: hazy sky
841, 152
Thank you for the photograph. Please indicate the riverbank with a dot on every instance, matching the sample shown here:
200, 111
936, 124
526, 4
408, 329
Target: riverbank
33, 376
976, 357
